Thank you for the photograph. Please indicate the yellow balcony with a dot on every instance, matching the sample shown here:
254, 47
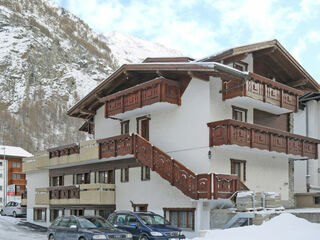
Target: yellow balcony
97, 194
29, 165
89, 150
42, 196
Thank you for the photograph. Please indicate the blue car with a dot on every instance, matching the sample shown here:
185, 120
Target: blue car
80, 228
145, 225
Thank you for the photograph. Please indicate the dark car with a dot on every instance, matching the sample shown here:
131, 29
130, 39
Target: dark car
145, 225
80, 228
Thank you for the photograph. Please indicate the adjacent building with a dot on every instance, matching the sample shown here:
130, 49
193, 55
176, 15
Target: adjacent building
12, 179
172, 135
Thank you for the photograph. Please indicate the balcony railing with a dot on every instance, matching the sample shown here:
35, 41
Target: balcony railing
229, 132
64, 154
264, 90
99, 194
42, 196
157, 90
115, 146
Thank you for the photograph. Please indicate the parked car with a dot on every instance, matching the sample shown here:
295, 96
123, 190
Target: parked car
145, 225
13, 209
80, 228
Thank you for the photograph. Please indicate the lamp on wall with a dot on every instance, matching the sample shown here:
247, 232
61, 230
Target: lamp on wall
209, 154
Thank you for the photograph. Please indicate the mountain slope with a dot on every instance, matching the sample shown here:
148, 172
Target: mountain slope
129, 49
49, 59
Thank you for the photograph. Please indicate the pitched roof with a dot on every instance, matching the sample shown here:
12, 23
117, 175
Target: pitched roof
14, 151
272, 48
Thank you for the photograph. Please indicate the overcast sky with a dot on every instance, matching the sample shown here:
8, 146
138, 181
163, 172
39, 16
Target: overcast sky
201, 27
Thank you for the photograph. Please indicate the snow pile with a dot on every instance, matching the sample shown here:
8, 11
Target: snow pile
284, 226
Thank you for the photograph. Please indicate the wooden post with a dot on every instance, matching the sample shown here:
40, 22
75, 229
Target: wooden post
152, 158
115, 148
265, 90
172, 172
215, 187
281, 98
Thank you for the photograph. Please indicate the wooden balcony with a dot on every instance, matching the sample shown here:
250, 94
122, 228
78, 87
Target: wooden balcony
231, 132
97, 194
116, 146
148, 93
261, 90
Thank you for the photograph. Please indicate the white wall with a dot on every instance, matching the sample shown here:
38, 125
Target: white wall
300, 166
264, 171
39, 179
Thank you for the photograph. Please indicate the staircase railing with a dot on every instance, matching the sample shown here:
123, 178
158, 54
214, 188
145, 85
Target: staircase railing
193, 185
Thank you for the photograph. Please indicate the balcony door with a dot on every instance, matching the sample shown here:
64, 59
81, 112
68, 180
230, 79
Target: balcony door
143, 126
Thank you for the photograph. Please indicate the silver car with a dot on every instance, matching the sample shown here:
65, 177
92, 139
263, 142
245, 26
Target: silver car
13, 209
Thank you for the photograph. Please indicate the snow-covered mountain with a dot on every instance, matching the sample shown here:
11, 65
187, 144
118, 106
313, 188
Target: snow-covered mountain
49, 59
129, 49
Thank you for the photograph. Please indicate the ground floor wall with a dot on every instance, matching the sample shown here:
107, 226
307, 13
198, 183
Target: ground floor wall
300, 174
266, 171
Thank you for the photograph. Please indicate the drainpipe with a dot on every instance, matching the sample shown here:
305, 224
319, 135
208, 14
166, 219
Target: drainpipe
308, 161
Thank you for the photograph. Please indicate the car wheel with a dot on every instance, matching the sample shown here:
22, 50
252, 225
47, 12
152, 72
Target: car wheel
14, 214
81, 238
143, 237
2, 213
51, 237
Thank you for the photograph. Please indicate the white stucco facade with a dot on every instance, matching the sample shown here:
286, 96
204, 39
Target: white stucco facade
301, 124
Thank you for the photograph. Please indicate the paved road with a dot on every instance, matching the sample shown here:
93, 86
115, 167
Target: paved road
16, 229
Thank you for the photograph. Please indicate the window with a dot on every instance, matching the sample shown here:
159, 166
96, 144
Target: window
82, 178
238, 167
0, 199
124, 175
104, 212
242, 66
180, 217
316, 200
18, 165
77, 212
18, 189
0, 164
239, 114
40, 214
0, 188
145, 173
54, 213
143, 126
14, 164
56, 181
14, 176
125, 127
140, 207
0, 175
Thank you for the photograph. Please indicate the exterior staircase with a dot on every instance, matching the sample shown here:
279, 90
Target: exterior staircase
195, 186
239, 219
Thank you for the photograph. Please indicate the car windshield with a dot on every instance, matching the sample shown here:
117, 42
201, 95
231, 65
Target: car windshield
153, 219
84, 223
101, 223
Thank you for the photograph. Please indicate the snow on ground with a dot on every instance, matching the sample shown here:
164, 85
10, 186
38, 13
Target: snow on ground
12, 229
282, 227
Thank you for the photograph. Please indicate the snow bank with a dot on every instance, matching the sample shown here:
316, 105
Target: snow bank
284, 226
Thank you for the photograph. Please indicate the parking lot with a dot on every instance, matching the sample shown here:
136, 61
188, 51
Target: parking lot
17, 228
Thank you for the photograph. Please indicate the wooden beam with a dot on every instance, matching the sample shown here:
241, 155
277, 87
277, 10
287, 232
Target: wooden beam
201, 76
235, 58
264, 52
297, 83
87, 111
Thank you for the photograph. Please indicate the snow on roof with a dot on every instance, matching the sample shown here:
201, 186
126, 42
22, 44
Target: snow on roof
284, 226
14, 151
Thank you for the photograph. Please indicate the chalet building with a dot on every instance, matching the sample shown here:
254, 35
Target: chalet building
12, 179
172, 135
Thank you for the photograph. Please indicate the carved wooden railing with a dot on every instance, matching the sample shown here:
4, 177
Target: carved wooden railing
263, 89
157, 90
64, 150
193, 185
225, 185
228, 132
115, 146
64, 192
